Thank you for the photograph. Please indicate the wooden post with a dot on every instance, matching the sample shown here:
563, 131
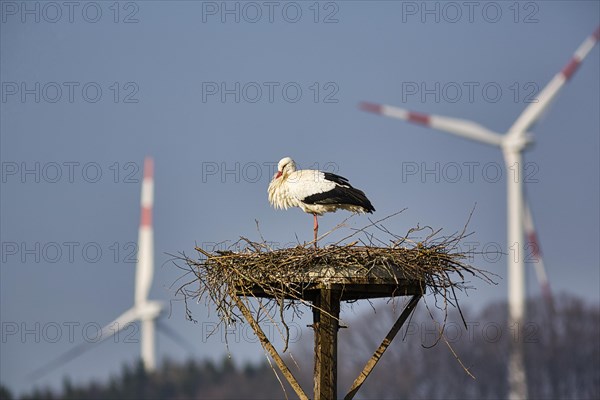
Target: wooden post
326, 314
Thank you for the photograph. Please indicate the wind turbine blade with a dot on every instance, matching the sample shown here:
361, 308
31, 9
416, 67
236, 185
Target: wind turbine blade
175, 336
120, 323
460, 127
533, 112
58, 362
536, 253
145, 263
105, 333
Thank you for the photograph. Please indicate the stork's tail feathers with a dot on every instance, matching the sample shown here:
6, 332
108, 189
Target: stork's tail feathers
362, 201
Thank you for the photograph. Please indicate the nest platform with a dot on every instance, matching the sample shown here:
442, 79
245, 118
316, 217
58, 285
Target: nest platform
259, 283
299, 273
353, 283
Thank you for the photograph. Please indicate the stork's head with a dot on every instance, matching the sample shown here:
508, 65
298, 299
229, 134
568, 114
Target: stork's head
285, 167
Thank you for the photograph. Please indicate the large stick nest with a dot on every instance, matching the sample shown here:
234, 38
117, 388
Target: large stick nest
281, 278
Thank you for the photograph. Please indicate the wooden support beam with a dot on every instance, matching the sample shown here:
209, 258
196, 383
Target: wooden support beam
264, 341
326, 314
382, 347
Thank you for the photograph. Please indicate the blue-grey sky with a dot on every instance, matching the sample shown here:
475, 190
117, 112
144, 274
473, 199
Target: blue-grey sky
217, 92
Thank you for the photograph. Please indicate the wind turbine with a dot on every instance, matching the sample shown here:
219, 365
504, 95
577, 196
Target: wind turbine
512, 144
144, 310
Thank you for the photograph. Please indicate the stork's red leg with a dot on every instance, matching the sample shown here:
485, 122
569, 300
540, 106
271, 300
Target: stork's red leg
316, 229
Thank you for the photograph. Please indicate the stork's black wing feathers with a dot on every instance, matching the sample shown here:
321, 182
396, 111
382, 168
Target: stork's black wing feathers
342, 193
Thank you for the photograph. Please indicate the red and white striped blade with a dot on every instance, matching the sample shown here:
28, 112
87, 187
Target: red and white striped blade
535, 254
145, 263
460, 127
534, 111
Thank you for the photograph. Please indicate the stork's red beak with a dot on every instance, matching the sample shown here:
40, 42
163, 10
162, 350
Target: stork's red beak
279, 173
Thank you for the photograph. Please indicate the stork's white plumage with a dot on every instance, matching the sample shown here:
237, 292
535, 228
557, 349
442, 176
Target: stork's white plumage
315, 192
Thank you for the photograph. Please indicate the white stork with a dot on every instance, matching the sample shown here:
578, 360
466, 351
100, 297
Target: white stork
315, 192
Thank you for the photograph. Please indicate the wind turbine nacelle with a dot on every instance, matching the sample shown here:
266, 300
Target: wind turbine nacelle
149, 310
517, 141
